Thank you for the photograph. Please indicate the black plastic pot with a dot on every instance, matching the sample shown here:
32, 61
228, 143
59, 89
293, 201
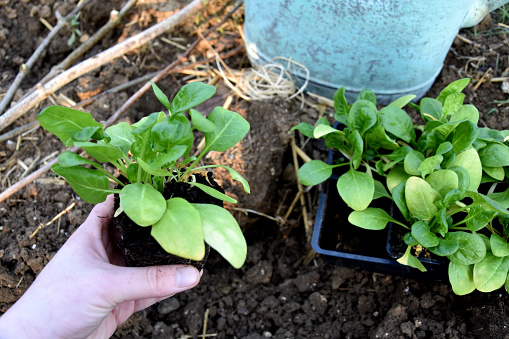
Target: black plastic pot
343, 244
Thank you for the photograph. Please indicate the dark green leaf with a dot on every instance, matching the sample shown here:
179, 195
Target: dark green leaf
356, 189
464, 135
495, 155
213, 192
91, 185
397, 122
477, 218
171, 132
371, 218
367, 94
231, 127
357, 145
412, 162
362, 116
101, 151
461, 278
340, 106
161, 96
63, 121
398, 195
200, 122
431, 109
471, 248
179, 231
191, 95
421, 232
89, 132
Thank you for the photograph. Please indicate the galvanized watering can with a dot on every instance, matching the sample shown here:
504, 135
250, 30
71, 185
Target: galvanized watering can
393, 47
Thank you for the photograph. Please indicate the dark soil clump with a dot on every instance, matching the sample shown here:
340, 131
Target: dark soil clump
138, 245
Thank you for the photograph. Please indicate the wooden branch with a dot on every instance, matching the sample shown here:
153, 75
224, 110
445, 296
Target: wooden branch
115, 19
25, 68
43, 91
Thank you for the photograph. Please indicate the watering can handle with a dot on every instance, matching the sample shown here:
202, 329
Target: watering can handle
479, 10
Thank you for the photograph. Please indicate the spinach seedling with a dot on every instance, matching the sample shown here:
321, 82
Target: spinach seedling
149, 154
447, 177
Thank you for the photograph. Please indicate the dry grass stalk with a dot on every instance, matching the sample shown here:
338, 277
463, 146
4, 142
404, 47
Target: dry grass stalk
25, 68
114, 52
41, 225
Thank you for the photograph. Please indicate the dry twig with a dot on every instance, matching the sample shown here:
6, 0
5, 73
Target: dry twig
41, 225
118, 50
25, 68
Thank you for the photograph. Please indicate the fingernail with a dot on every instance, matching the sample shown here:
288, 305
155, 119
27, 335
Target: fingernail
186, 276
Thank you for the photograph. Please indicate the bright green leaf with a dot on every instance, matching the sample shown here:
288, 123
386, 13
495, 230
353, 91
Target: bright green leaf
231, 127
191, 95
142, 203
499, 245
356, 189
491, 273
461, 278
420, 198
213, 192
371, 218
471, 248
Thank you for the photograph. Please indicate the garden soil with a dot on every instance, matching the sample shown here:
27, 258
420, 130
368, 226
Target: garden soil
284, 290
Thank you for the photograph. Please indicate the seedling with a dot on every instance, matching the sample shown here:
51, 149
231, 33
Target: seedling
150, 154
448, 178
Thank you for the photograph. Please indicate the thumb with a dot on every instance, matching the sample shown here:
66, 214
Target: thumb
134, 283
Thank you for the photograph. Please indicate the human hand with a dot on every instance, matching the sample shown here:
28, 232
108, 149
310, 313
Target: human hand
83, 293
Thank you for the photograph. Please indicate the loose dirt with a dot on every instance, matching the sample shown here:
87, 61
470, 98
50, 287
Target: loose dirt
282, 291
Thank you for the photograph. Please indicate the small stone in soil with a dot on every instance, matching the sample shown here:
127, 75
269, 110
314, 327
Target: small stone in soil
168, 306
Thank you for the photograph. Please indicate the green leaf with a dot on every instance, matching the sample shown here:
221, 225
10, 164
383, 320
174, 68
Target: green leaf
471, 162
356, 189
420, 198
502, 198
340, 106
398, 195
173, 154
70, 159
362, 116
443, 181
171, 132
161, 96
91, 185
367, 94
63, 121
430, 164
471, 248
179, 231
469, 112
499, 245
410, 260
464, 135
377, 138
155, 172
357, 145
452, 104
454, 87
146, 123
486, 202
305, 129
200, 122
495, 172
444, 148
121, 136
396, 176
94, 132
431, 109
402, 101
463, 177
322, 130
490, 135
491, 273
142, 203
101, 151
445, 247
397, 122
371, 218
477, 218
213, 192
461, 278
380, 191
412, 162
314, 172
421, 232
231, 127
222, 233
191, 95
495, 155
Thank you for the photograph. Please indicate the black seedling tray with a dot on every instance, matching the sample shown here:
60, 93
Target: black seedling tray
343, 244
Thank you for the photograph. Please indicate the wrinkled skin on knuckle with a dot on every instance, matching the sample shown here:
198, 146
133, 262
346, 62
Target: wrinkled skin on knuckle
159, 281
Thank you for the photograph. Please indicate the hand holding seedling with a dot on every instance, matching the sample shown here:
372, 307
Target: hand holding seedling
83, 292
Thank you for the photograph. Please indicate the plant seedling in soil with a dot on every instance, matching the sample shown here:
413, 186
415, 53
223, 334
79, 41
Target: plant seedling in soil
448, 178
150, 156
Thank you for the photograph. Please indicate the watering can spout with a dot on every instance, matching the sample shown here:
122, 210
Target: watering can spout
479, 10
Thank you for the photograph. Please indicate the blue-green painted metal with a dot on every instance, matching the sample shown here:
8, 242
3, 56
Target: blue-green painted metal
393, 47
